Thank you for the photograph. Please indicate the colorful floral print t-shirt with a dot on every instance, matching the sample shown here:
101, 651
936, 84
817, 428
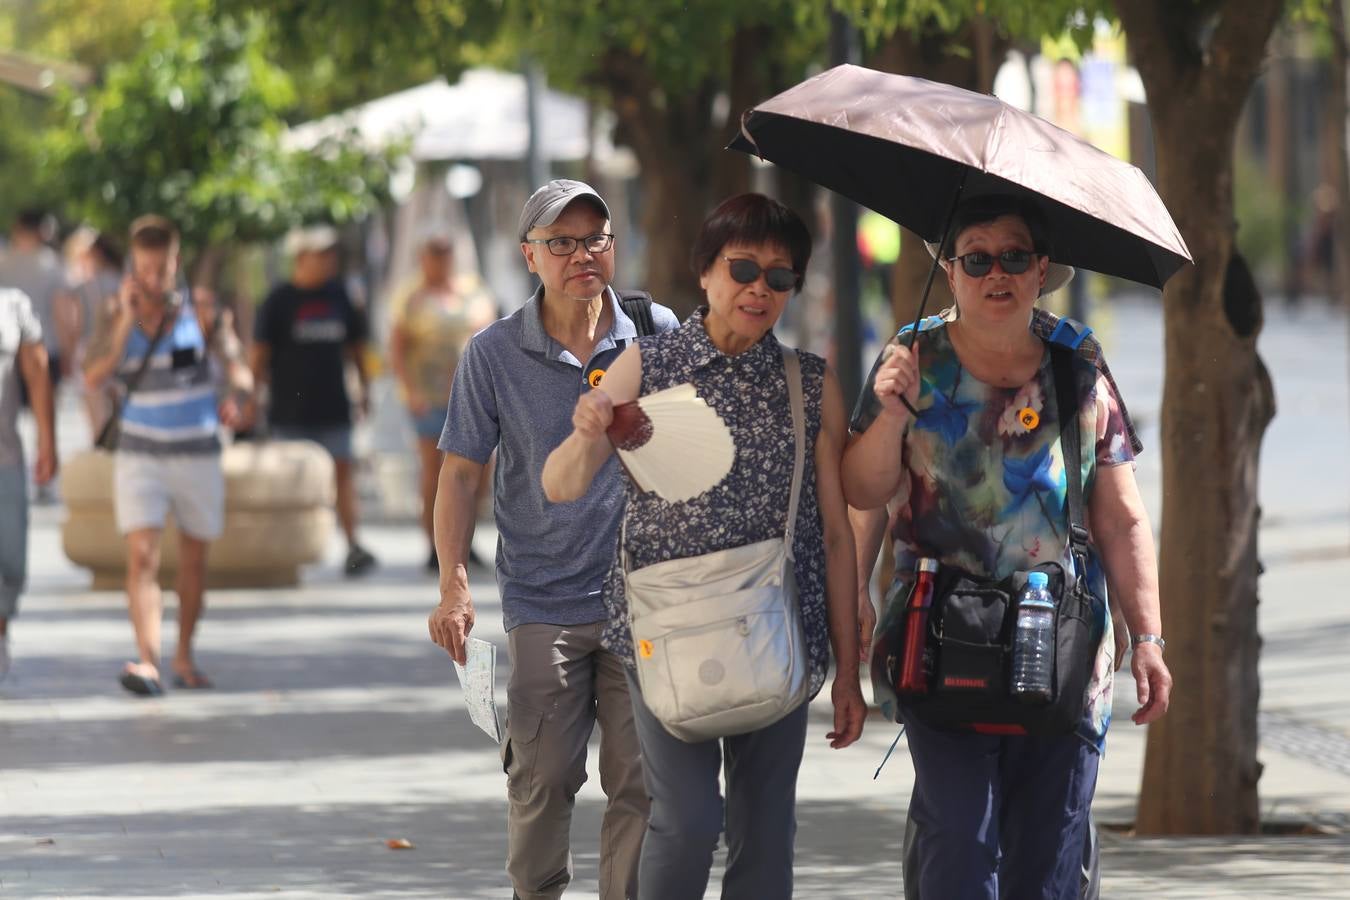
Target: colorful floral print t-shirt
983, 485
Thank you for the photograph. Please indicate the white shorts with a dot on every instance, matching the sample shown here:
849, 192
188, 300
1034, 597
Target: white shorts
146, 487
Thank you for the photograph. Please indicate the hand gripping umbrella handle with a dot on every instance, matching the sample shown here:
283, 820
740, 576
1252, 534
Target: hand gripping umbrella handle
932, 270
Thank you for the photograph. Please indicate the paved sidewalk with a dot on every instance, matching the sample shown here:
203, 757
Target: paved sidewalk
336, 726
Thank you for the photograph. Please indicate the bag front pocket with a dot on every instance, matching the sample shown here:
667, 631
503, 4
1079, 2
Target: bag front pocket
972, 652
719, 653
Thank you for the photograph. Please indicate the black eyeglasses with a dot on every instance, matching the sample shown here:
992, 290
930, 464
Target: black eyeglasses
746, 271
566, 246
978, 264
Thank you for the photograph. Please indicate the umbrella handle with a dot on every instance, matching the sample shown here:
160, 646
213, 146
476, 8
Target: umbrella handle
937, 257
932, 270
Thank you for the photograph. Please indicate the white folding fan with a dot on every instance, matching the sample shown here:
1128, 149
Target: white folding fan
672, 443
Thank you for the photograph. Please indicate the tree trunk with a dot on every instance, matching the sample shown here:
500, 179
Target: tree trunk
1338, 112
680, 148
1200, 767
929, 54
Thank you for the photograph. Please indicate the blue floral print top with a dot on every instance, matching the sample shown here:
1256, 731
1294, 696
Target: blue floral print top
983, 485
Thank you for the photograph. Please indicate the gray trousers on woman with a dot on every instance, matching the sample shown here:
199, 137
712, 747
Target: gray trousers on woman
13, 538
688, 813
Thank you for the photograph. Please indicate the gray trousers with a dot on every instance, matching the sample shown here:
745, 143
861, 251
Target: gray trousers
688, 813
562, 682
13, 538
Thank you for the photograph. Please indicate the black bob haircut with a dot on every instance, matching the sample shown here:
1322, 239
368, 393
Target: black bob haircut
987, 208
752, 219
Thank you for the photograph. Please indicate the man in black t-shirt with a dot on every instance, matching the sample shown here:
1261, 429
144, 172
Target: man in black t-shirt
307, 331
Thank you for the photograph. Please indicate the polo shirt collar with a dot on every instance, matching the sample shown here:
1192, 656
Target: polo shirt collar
535, 338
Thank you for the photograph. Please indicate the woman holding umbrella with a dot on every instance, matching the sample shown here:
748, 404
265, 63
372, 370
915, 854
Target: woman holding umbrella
958, 432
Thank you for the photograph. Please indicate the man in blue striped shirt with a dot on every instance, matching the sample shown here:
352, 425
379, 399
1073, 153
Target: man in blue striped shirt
157, 345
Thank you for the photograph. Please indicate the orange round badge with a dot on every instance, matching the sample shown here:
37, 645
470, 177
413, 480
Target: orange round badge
645, 648
1029, 418
596, 376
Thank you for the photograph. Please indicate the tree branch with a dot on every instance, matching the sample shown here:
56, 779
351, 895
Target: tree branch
1238, 48
1152, 37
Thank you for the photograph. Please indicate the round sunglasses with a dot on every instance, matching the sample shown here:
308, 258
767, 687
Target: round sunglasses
747, 271
978, 264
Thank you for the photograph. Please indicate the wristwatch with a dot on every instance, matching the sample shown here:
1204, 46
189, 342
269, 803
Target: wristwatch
1136, 640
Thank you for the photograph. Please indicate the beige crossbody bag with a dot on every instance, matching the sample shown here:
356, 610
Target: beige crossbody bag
718, 638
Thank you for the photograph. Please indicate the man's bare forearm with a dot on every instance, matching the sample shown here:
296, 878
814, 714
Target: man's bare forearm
33, 364
105, 350
455, 510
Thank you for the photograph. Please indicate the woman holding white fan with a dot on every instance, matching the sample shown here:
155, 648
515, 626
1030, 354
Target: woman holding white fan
735, 573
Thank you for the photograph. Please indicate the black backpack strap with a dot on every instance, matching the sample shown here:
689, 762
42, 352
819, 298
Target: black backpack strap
637, 305
1070, 438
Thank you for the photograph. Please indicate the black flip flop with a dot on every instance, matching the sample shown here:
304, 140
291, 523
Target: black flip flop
140, 685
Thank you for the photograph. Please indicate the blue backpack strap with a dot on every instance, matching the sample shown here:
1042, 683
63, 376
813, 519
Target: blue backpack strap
1070, 333
926, 324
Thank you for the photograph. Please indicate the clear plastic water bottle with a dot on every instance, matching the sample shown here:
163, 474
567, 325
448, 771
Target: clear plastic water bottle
1033, 661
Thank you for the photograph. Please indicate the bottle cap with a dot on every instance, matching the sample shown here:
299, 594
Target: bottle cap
1037, 580
926, 564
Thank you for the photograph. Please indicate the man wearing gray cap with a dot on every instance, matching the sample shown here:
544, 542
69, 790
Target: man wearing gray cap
514, 392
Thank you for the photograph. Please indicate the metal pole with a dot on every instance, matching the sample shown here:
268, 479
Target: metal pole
844, 243
536, 166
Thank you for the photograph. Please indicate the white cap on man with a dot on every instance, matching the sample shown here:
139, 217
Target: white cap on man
311, 239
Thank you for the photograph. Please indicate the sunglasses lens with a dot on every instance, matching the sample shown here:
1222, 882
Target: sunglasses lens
977, 265
1015, 262
743, 271
780, 280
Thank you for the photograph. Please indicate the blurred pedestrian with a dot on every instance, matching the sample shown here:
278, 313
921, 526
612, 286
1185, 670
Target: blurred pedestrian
31, 265
158, 345
94, 264
308, 330
750, 258
21, 350
514, 392
432, 324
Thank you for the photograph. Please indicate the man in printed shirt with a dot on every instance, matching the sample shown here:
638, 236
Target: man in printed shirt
168, 449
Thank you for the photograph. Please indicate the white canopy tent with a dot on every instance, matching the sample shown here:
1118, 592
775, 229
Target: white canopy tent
481, 117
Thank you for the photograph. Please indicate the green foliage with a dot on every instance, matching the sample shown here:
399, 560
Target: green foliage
191, 127
1018, 19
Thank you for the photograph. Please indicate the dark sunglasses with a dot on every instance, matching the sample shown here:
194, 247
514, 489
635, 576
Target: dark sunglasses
747, 271
978, 264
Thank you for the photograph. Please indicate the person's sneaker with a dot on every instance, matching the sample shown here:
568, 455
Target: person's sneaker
433, 561
359, 560
4, 656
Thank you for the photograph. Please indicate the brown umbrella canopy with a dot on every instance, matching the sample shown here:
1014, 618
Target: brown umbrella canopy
905, 146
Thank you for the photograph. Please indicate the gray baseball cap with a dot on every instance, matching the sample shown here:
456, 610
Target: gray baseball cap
547, 203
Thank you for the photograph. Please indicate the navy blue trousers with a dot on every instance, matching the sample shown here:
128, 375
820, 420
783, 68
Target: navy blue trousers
1000, 816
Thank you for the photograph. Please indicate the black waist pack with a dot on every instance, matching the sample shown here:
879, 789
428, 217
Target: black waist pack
971, 623
968, 655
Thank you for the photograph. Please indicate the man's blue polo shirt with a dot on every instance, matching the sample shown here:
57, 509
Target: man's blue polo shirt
514, 391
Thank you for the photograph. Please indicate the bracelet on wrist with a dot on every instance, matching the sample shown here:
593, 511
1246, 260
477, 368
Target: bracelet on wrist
1136, 640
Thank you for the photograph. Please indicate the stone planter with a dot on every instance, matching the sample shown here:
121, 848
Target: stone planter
278, 516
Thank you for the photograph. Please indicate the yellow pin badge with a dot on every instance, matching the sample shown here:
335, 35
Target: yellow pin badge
596, 376
1029, 418
645, 649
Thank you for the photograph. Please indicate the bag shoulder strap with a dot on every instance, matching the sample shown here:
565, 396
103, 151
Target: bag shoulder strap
637, 305
1070, 437
793, 365
134, 381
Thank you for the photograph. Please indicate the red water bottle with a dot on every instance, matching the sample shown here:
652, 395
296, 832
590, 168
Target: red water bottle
913, 678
